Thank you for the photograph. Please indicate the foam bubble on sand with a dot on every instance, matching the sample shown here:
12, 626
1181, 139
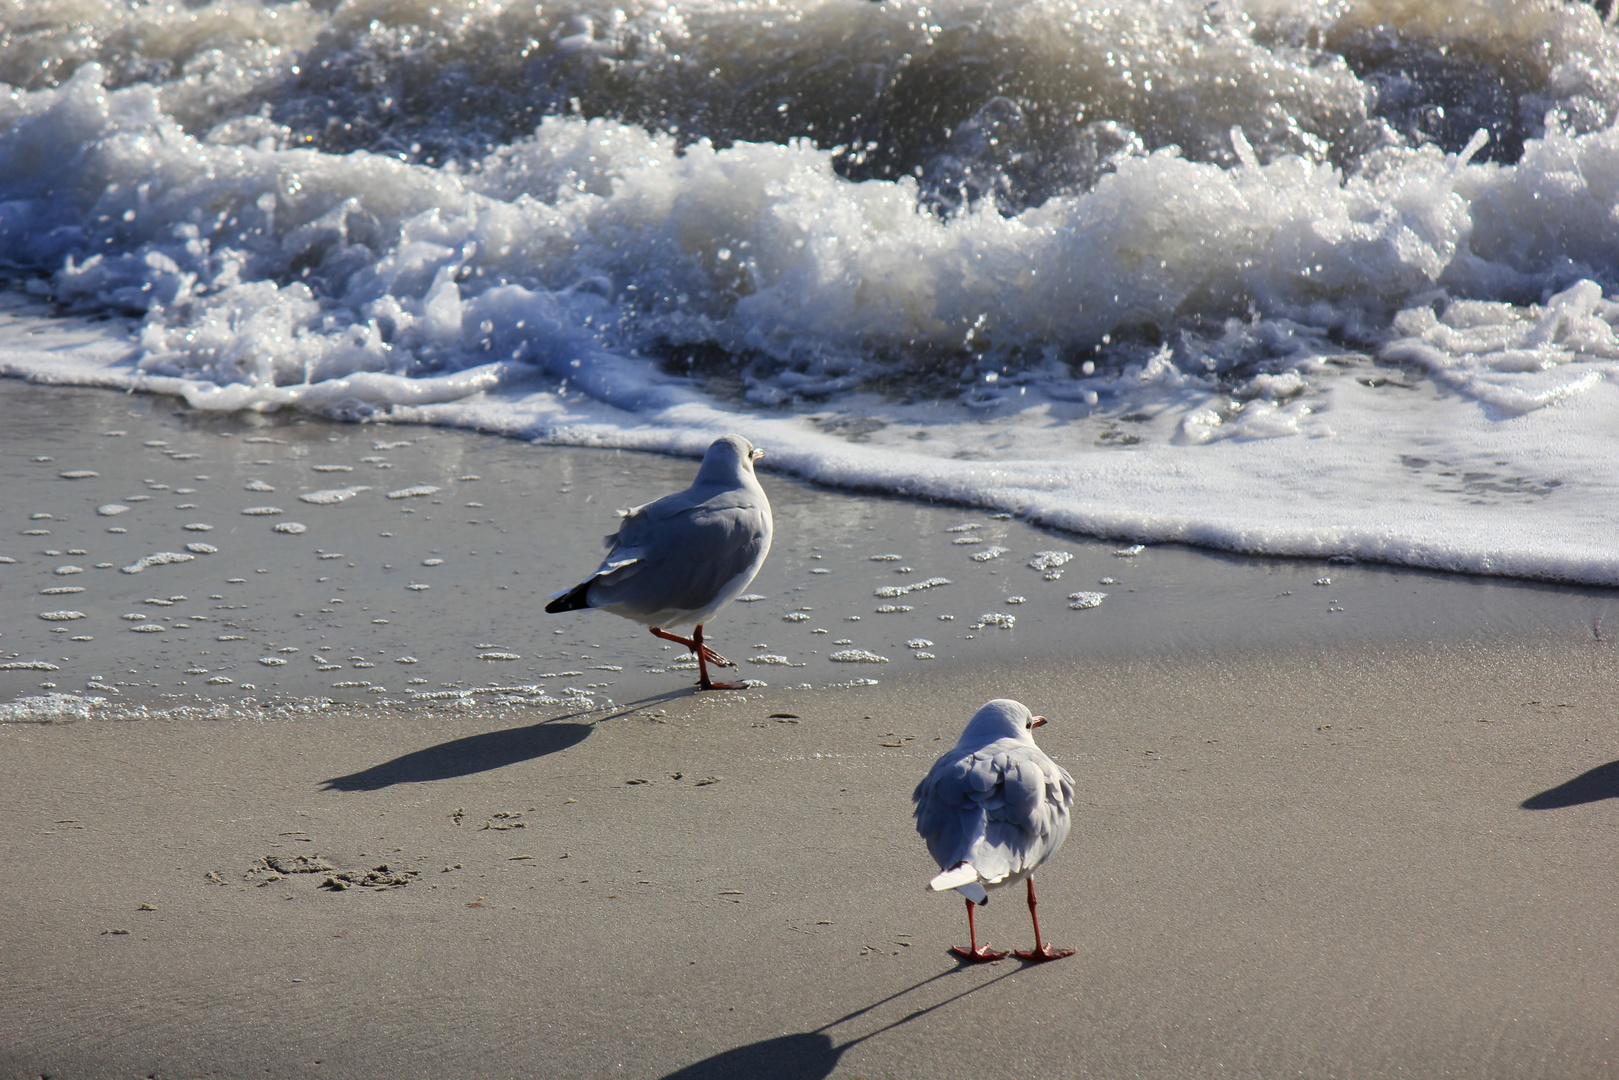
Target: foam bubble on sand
888, 592
61, 590
414, 492
161, 558
331, 496
1080, 601
78, 474
61, 616
112, 509
263, 511
1049, 560
68, 569
857, 656
994, 551
293, 527
202, 549
198, 526
50, 708
257, 485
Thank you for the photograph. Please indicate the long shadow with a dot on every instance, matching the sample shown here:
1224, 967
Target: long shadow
465, 756
806, 1055
809, 1055
483, 753
1594, 785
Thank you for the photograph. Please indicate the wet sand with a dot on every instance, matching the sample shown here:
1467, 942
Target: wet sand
1364, 828
423, 563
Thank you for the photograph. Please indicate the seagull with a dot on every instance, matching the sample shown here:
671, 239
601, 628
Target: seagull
992, 809
680, 559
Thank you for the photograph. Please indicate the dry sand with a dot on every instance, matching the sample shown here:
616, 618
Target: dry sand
1359, 829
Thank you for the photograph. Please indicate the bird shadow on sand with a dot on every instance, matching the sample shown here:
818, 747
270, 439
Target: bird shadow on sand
1590, 786
811, 1055
482, 753
465, 756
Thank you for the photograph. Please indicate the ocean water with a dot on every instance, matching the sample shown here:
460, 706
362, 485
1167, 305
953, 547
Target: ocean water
1278, 276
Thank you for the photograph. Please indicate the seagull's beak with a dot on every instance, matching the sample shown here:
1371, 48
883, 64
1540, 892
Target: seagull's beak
1038, 721
757, 454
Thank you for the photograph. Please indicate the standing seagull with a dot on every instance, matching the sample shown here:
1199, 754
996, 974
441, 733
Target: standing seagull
992, 808
680, 559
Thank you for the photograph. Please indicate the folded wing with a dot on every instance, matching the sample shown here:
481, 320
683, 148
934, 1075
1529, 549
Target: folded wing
693, 550
1003, 809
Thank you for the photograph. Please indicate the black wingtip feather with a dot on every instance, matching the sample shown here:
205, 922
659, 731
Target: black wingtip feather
572, 600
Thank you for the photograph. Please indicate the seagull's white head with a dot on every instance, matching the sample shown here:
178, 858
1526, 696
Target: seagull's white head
728, 459
1002, 718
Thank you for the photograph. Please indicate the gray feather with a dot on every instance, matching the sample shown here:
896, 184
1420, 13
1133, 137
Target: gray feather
1001, 805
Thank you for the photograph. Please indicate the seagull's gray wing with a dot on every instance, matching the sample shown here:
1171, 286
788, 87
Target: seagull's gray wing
678, 553
1003, 808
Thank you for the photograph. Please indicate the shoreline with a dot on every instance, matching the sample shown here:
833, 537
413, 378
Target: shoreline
344, 562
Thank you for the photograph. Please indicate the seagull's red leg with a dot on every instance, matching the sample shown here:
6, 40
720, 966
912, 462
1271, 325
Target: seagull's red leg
975, 953
713, 657
695, 644
676, 638
704, 654
1042, 952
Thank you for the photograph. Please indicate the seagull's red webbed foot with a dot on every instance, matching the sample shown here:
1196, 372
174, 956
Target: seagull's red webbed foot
982, 954
1043, 953
715, 658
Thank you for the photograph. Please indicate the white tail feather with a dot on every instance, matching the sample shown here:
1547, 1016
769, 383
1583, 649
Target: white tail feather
956, 876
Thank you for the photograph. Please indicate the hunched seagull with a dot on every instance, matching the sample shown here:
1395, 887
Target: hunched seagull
992, 809
680, 559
